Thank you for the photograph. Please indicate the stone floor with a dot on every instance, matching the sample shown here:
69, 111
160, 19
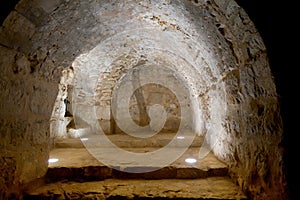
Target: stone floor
79, 175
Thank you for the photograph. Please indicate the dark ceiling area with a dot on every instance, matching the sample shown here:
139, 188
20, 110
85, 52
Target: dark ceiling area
6, 6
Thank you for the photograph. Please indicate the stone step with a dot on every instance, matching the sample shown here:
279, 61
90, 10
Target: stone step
78, 164
77, 174
127, 141
201, 189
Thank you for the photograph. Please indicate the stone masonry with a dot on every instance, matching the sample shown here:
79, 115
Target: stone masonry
207, 53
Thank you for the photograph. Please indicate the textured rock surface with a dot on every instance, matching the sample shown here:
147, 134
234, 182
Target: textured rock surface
210, 188
75, 162
211, 46
79, 175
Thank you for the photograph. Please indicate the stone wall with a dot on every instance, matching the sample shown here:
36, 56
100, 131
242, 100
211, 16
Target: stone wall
146, 93
212, 47
61, 115
26, 105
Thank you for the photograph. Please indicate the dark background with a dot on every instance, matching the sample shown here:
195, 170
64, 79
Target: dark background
277, 23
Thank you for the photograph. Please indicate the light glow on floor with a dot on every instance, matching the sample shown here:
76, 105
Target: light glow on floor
84, 139
180, 137
190, 160
53, 160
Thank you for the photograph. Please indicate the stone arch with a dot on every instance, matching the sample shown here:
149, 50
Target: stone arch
61, 114
213, 44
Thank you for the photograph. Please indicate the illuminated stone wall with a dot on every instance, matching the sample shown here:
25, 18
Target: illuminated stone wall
211, 46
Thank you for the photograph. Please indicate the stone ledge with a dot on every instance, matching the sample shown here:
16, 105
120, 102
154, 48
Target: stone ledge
123, 140
77, 164
209, 188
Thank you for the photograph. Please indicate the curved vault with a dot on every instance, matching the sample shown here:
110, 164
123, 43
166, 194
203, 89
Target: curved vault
214, 51
211, 47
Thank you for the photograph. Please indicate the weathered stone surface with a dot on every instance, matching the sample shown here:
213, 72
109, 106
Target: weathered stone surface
17, 31
127, 141
211, 46
76, 163
210, 188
